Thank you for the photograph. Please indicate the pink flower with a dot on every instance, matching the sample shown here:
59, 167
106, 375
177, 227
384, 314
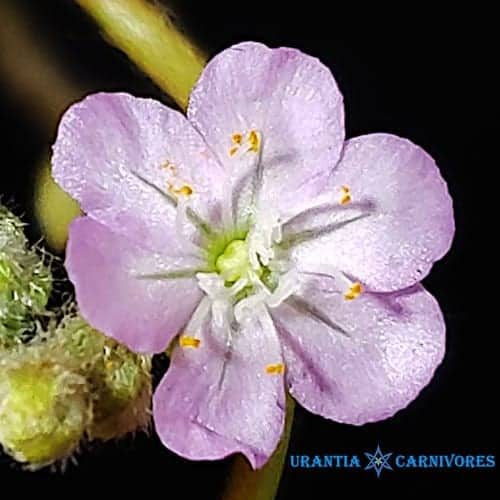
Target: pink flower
278, 253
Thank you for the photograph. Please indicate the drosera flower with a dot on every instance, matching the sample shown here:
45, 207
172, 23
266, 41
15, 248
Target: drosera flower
276, 254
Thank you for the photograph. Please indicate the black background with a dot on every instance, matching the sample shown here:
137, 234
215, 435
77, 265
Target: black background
417, 73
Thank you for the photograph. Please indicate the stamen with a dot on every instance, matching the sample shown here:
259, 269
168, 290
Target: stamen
250, 305
254, 141
304, 307
346, 195
170, 275
184, 190
312, 234
277, 369
187, 341
166, 195
354, 291
231, 329
213, 285
262, 238
287, 286
237, 138
198, 221
201, 316
245, 190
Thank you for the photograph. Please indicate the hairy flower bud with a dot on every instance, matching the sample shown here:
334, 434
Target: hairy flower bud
45, 408
25, 282
120, 381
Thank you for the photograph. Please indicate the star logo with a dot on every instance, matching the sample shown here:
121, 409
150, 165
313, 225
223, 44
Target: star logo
378, 461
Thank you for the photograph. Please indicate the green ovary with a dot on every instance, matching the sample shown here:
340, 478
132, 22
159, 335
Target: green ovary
233, 263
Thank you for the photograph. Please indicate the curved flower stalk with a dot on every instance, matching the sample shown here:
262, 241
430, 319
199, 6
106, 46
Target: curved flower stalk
273, 251
25, 282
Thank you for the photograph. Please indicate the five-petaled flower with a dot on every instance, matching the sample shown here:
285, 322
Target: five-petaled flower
276, 254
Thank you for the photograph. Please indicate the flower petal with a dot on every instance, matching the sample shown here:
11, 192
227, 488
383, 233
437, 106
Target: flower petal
289, 97
114, 291
406, 221
362, 360
217, 400
122, 156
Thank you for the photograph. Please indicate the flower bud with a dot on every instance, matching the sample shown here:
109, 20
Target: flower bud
25, 282
120, 380
45, 409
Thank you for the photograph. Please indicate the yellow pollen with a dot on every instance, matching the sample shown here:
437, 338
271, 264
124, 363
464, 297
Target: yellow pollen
254, 141
187, 341
346, 195
184, 190
354, 291
109, 365
277, 369
237, 139
233, 150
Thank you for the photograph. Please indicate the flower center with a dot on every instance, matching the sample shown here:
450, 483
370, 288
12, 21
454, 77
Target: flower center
234, 262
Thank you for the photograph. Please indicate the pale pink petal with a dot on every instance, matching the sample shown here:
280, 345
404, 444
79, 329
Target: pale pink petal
289, 97
216, 399
121, 156
401, 213
362, 360
118, 293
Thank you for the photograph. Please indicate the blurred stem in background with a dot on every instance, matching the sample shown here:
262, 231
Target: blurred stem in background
148, 36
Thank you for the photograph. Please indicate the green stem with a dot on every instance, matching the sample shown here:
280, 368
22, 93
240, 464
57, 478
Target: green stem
149, 38
246, 484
